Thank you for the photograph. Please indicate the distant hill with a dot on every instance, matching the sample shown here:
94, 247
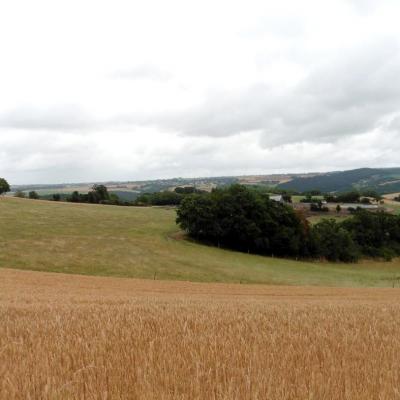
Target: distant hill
383, 180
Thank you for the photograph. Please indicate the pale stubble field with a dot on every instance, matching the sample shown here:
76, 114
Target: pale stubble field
77, 337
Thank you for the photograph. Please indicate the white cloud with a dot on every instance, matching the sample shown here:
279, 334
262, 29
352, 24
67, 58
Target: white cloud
100, 90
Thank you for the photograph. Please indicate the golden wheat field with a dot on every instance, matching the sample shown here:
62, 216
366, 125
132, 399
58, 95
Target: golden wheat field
77, 337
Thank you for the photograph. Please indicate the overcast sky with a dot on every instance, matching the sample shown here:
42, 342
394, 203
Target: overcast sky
126, 90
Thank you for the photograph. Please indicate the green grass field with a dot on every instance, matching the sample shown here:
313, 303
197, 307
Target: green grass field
298, 198
394, 206
318, 218
145, 243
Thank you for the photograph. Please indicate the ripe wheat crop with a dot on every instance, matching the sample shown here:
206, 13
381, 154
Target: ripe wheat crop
73, 337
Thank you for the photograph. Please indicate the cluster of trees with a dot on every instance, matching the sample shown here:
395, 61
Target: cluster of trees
98, 195
163, 198
353, 197
309, 199
32, 194
397, 198
243, 219
166, 197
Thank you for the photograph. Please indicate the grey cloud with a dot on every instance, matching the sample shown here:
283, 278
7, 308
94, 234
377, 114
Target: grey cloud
40, 156
60, 117
342, 97
393, 125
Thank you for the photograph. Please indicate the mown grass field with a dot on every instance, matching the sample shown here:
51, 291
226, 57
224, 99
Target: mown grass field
80, 337
145, 243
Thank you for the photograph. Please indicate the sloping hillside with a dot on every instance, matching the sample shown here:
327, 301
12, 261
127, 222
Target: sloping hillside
144, 242
383, 180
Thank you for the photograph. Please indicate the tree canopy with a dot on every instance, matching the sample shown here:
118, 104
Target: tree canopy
243, 219
4, 186
240, 218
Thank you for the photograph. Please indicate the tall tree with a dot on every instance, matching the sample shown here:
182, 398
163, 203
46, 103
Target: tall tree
98, 194
4, 186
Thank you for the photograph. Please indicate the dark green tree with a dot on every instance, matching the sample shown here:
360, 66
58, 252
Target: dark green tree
98, 194
332, 242
75, 197
4, 186
376, 234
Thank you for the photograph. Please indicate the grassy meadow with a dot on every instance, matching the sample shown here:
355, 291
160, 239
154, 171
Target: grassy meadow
146, 243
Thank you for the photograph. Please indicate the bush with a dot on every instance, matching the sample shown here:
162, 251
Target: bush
33, 195
20, 194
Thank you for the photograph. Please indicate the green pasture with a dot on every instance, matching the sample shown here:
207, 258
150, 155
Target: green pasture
146, 243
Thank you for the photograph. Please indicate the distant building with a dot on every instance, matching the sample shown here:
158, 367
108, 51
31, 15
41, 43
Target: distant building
278, 198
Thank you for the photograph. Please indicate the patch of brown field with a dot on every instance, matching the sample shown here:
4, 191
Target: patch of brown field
391, 196
76, 337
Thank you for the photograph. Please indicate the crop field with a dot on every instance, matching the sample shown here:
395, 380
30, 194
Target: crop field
392, 206
80, 337
146, 243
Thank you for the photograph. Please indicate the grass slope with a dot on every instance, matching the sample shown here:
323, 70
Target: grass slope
141, 243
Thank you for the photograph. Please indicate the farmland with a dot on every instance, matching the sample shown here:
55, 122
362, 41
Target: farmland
177, 335
67, 337
145, 243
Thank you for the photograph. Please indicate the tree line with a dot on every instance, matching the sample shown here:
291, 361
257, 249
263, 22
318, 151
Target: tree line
166, 197
246, 220
99, 194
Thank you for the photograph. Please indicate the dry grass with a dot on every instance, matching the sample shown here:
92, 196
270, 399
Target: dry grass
77, 337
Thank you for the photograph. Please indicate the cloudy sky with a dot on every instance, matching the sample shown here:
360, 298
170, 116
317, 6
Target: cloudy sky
126, 90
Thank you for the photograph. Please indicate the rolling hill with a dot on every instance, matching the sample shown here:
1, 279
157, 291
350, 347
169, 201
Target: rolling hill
383, 180
146, 243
